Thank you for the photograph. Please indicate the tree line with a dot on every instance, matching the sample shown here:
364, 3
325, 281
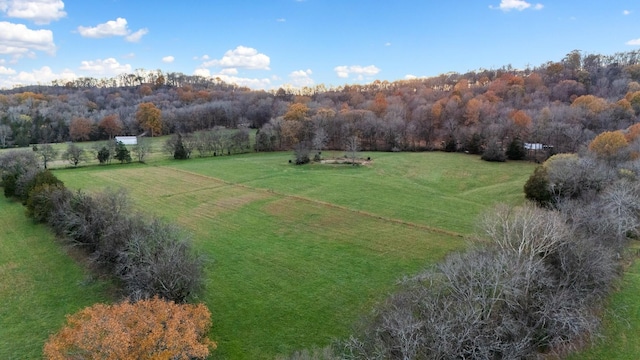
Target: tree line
560, 103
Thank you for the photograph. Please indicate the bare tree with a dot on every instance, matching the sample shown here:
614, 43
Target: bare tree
74, 154
352, 146
142, 148
46, 152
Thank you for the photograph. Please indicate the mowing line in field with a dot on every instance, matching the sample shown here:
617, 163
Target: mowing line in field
324, 203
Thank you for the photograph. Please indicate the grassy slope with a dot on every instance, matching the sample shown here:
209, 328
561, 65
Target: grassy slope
298, 253
621, 323
39, 285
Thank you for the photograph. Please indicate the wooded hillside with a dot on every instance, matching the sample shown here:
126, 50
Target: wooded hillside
560, 103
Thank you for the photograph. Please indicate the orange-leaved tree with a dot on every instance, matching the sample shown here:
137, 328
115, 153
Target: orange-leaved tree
147, 329
149, 117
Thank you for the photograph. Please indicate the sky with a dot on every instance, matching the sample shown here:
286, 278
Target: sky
267, 44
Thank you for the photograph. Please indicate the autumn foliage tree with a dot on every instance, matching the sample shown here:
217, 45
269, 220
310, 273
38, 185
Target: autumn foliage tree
147, 329
80, 129
609, 145
149, 117
111, 125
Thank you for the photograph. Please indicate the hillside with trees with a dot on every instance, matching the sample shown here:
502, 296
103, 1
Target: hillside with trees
561, 104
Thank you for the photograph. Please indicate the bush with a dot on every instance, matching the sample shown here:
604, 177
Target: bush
152, 258
43, 199
515, 150
148, 329
537, 187
158, 260
493, 152
451, 145
103, 155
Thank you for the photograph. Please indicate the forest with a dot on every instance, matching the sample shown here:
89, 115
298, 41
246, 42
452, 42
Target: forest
561, 104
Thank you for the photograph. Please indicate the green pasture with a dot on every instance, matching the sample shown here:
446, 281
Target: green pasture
621, 331
39, 284
297, 254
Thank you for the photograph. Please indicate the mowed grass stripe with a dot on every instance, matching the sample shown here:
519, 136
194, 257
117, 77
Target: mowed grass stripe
39, 284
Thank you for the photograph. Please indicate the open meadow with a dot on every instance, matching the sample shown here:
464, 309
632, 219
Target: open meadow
296, 254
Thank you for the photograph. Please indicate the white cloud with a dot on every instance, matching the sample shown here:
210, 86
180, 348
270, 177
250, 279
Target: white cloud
346, 71
410, 77
241, 57
633, 42
301, 78
44, 75
508, 5
626, 12
17, 39
110, 28
104, 67
39, 11
117, 27
6, 71
231, 79
229, 71
136, 36
168, 59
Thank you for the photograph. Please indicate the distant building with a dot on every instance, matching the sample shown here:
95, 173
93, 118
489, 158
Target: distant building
127, 140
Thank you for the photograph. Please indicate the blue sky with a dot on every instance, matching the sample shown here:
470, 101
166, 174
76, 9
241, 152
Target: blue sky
266, 44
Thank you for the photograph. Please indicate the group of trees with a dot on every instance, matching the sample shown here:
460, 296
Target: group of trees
149, 256
215, 142
561, 104
154, 261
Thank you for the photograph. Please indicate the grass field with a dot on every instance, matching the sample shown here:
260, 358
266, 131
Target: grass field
621, 335
295, 254
39, 284
298, 254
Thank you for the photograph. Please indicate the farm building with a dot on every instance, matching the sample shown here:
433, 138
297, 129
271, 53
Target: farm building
127, 140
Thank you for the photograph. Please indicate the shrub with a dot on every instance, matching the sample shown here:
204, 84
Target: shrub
493, 152
158, 260
148, 329
103, 155
515, 150
451, 144
32, 179
537, 187
43, 199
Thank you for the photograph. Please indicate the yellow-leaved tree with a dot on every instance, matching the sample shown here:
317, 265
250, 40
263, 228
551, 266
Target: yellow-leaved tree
149, 117
609, 145
147, 329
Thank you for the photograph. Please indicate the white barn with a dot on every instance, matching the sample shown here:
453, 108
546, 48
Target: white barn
127, 140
